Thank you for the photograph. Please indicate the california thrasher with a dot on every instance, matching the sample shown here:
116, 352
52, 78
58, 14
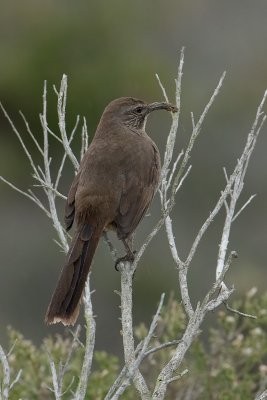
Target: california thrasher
113, 188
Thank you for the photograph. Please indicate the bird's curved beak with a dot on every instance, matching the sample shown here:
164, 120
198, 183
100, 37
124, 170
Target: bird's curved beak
161, 106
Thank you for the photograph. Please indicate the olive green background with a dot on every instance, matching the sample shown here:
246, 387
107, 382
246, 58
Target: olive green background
110, 49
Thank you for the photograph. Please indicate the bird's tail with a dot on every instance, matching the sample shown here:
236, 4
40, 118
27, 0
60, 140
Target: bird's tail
65, 302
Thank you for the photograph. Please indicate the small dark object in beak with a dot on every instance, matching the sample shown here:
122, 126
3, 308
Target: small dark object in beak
162, 106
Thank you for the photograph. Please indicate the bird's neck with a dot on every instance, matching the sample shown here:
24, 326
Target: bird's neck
114, 127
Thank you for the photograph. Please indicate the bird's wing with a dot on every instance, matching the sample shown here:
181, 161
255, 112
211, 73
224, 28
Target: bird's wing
139, 188
70, 203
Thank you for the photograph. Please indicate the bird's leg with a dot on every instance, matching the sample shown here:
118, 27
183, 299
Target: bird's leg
128, 244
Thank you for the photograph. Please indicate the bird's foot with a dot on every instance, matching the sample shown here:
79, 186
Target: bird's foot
128, 257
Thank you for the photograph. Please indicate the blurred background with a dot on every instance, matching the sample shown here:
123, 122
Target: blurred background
113, 49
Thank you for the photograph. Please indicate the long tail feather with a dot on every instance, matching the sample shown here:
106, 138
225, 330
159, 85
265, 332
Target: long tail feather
64, 305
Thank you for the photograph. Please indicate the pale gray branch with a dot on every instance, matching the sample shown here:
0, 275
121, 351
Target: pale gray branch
262, 396
132, 368
162, 88
240, 313
175, 121
50, 194
195, 133
26, 151
161, 347
6, 385
243, 207
177, 377
127, 331
31, 134
62, 98
89, 344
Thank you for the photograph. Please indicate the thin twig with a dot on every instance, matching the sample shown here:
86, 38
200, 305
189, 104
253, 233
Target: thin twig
175, 121
241, 314
162, 89
64, 367
31, 134
16, 379
161, 347
29, 196
220, 279
170, 177
26, 151
243, 207
55, 389
84, 138
177, 377
195, 133
51, 188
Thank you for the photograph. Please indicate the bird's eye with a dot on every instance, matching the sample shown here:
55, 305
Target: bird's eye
138, 110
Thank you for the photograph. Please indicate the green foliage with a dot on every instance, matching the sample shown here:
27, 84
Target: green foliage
105, 373
36, 378
230, 365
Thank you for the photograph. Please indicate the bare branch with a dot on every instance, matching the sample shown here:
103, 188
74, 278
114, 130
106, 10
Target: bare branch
56, 389
31, 196
167, 372
65, 154
89, 345
161, 347
195, 133
26, 151
175, 121
193, 120
148, 239
6, 386
241, 314
181, 268
39, 203
16, 379
62, 98
127, 331
177, 377
219, 279
262, 396
31, 134
237, 182
84, 138
162, 89
52, 133
170, 177
183, 178
64, 367
133, 366
50, 193
243, 207
55, 191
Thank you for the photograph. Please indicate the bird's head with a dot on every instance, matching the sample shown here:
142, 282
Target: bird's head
133, 112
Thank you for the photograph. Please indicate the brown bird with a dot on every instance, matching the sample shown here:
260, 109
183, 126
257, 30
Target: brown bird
113, 188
